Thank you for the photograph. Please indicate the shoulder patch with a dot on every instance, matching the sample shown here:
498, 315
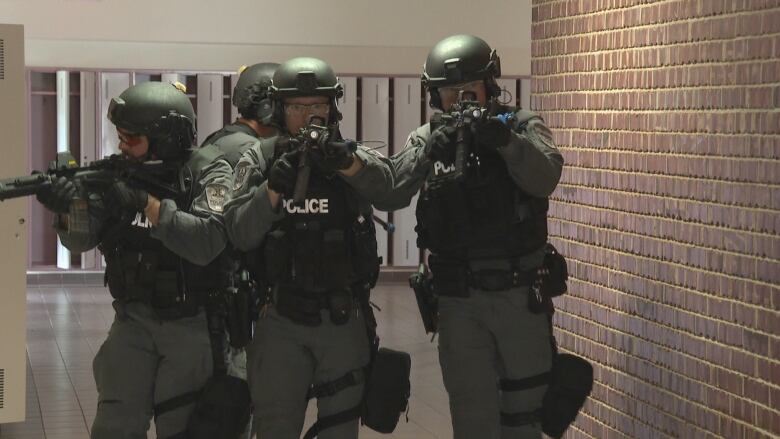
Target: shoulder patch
217, 195
240, 175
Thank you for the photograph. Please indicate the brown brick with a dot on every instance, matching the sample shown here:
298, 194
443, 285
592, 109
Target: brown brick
684, 306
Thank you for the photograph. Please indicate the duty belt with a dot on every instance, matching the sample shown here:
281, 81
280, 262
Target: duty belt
500, 280
454, 278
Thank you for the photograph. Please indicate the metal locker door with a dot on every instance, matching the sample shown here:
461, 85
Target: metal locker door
210, 105
375, 120
508, 94
89, 143
407, 111
525, 94
13, 226
348, 107
111, 86
233, 109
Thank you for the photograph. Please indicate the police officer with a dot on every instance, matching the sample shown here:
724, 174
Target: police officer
318, 260
158, 354
250, 96
484, 221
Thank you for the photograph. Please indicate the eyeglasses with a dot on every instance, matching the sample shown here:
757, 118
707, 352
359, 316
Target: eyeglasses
130, 139
294, 110
451, 92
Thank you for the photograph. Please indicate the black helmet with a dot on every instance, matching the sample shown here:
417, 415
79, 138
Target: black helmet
251, 96
458, 59
306, 77
161, 112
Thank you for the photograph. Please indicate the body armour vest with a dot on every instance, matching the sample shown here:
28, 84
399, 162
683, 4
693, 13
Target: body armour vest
322, 245
484, 215
140, 267
234, 147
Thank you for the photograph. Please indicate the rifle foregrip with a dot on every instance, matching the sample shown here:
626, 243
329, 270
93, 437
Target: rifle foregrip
23, 186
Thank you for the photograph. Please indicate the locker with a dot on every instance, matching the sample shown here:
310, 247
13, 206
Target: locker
508, 94
111, 86
14, 223
89, 145
233, 109
407, 111
375, 119
525, 93
210, 105
347, 105
63, 134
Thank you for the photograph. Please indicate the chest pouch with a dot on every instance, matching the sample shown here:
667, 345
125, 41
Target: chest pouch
365, 260
277, 253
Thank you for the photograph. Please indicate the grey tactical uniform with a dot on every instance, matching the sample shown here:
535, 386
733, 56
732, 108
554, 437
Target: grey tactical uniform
488, 335
233, 140
285, 357
148, 359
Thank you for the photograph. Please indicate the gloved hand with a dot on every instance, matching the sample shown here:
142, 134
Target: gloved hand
285, 144
283, 173
58, 196
335, 156
439, 142
120, 197
494, 132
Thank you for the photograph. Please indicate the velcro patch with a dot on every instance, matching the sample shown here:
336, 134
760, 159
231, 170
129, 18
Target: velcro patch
240, 175
217, 195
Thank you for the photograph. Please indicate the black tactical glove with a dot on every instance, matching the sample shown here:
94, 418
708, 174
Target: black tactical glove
58, 196
439, 142
283, 173
285, 144
335, 156
494, 132
120, 197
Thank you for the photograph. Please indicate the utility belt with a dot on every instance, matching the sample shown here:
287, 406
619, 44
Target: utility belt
453, 277
304, 307
137, 276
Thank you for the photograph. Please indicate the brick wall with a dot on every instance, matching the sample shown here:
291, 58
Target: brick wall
668, 116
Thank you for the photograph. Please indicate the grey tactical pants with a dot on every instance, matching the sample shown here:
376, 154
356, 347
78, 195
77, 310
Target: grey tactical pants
485, 337
285, 358
146, 361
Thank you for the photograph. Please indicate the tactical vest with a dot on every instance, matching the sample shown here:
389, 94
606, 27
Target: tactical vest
484, 215
326, 244
140, 268
233, 150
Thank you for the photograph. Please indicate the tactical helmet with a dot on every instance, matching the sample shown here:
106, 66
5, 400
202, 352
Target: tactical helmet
251, 95
305, 77
161, 112
459, 59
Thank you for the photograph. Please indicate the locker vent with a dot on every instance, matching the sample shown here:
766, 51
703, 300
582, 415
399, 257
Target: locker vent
2, 64
2, 383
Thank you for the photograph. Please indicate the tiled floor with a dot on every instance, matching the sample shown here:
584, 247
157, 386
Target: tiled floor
67, 324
